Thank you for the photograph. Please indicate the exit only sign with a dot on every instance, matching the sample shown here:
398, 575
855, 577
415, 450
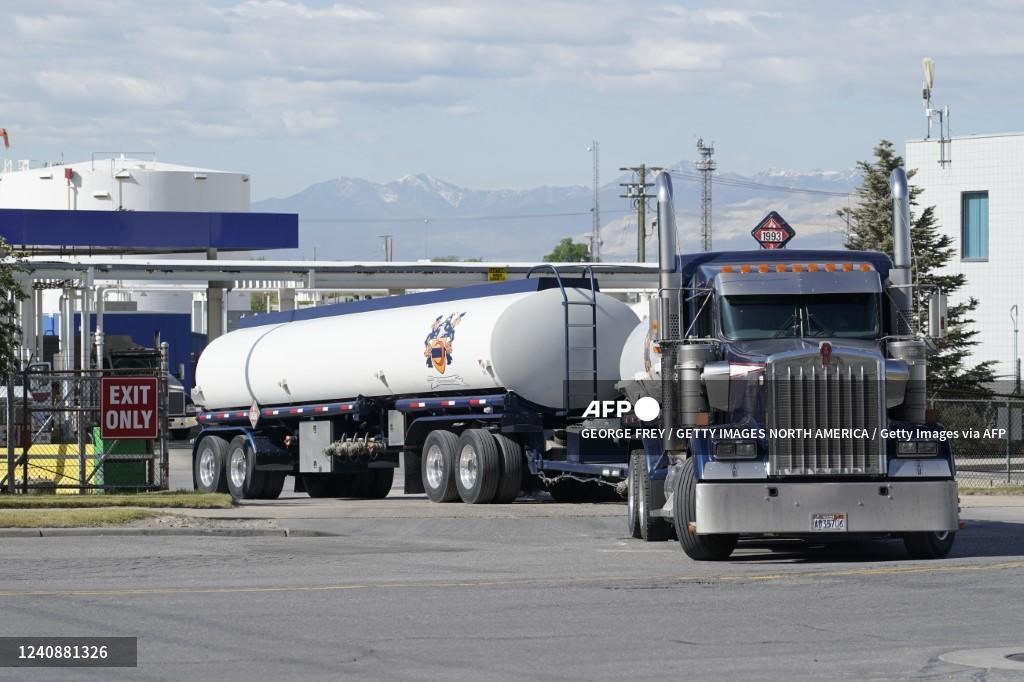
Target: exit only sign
128, 407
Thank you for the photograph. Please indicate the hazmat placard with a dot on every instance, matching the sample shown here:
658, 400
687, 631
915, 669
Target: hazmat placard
128, 407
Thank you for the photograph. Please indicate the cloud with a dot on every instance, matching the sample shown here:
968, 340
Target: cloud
243, 67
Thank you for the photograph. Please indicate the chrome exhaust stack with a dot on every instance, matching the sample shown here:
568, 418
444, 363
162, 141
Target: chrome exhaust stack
668, 264
902, 292
913, 352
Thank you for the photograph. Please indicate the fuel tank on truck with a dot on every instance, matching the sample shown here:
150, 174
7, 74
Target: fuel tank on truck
507, 336
640, 359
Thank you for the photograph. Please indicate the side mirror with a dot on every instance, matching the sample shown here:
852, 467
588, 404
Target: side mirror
937, 315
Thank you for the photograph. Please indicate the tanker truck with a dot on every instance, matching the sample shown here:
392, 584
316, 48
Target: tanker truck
791, 386
480, 389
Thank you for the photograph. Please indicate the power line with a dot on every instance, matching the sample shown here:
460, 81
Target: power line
637, 192
595, 237
522, 216
753, 184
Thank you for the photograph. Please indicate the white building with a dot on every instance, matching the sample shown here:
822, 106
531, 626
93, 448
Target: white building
979, 203
125, 182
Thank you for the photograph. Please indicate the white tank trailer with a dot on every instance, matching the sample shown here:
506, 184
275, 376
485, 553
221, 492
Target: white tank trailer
481, 389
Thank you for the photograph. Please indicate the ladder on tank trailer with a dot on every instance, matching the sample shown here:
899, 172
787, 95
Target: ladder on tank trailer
580, 381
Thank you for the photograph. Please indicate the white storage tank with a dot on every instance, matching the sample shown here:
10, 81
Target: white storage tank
121, 183
497, 338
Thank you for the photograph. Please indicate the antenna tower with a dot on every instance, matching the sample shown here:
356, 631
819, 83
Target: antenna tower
595, 236
945, 140
706, 166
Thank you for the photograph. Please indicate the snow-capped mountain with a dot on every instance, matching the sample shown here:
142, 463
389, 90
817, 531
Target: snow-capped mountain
428, 217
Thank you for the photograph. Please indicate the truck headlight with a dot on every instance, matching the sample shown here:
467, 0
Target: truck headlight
917, 448
736, 449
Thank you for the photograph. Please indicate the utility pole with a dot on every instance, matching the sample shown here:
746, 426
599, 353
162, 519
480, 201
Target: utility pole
637, 192
706, 166
595, 236
388, 247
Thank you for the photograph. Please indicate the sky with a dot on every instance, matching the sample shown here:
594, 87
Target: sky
496, 94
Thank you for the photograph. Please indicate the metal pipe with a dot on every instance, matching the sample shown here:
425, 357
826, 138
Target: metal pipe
900, 276
84, 350
10, 416
39, 350
667, 261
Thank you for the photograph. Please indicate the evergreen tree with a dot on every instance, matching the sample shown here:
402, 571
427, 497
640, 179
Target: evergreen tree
10, 295
870, 224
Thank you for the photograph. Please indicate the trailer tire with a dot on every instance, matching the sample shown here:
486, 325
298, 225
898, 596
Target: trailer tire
929, 545
437, 466
273, 484
321, 485
511, 469
684, 512
478, 466
209, 473
244, 481
372, 484
632, 520
652, 528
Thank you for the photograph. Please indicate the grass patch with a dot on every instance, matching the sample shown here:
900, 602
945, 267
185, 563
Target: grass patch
70, 518
1007, 490
181, 499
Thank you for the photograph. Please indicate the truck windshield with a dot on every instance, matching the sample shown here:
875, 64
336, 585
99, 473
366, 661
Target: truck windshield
851, 316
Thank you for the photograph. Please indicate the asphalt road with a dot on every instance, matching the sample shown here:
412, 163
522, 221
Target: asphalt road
405, 589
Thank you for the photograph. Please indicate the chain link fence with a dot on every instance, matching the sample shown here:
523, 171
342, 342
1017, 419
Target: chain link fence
989, 439
51, 433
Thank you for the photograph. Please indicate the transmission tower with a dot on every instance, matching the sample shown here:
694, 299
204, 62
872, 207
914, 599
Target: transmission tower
706, 166
595, 236
637, 192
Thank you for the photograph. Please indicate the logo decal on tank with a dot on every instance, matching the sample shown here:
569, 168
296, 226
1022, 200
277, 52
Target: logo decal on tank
440, 342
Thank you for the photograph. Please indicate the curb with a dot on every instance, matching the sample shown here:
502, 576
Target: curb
128, 532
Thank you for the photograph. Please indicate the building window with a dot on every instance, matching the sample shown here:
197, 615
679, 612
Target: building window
974, 225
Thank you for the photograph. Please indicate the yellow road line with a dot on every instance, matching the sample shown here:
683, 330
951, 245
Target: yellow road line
568, 581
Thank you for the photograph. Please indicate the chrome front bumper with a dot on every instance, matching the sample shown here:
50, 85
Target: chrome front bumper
787, 508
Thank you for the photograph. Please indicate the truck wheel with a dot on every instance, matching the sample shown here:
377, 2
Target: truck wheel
929, 545
479, 466
273, 484
321, 485
373, 484
652, 528
684, 512
437, 466
511, 470
208, 470
244, 482
632, 520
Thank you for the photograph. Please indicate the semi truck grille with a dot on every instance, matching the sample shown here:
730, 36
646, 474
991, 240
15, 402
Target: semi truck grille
809, 408
175, 402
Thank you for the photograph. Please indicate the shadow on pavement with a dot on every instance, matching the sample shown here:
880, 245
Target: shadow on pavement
978, 539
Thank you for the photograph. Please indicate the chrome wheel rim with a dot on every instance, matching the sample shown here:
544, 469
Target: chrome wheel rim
238, 467
468, 467
435, 467
207, 466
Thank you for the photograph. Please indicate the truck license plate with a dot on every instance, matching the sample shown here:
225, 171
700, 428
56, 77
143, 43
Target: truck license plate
828, 523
